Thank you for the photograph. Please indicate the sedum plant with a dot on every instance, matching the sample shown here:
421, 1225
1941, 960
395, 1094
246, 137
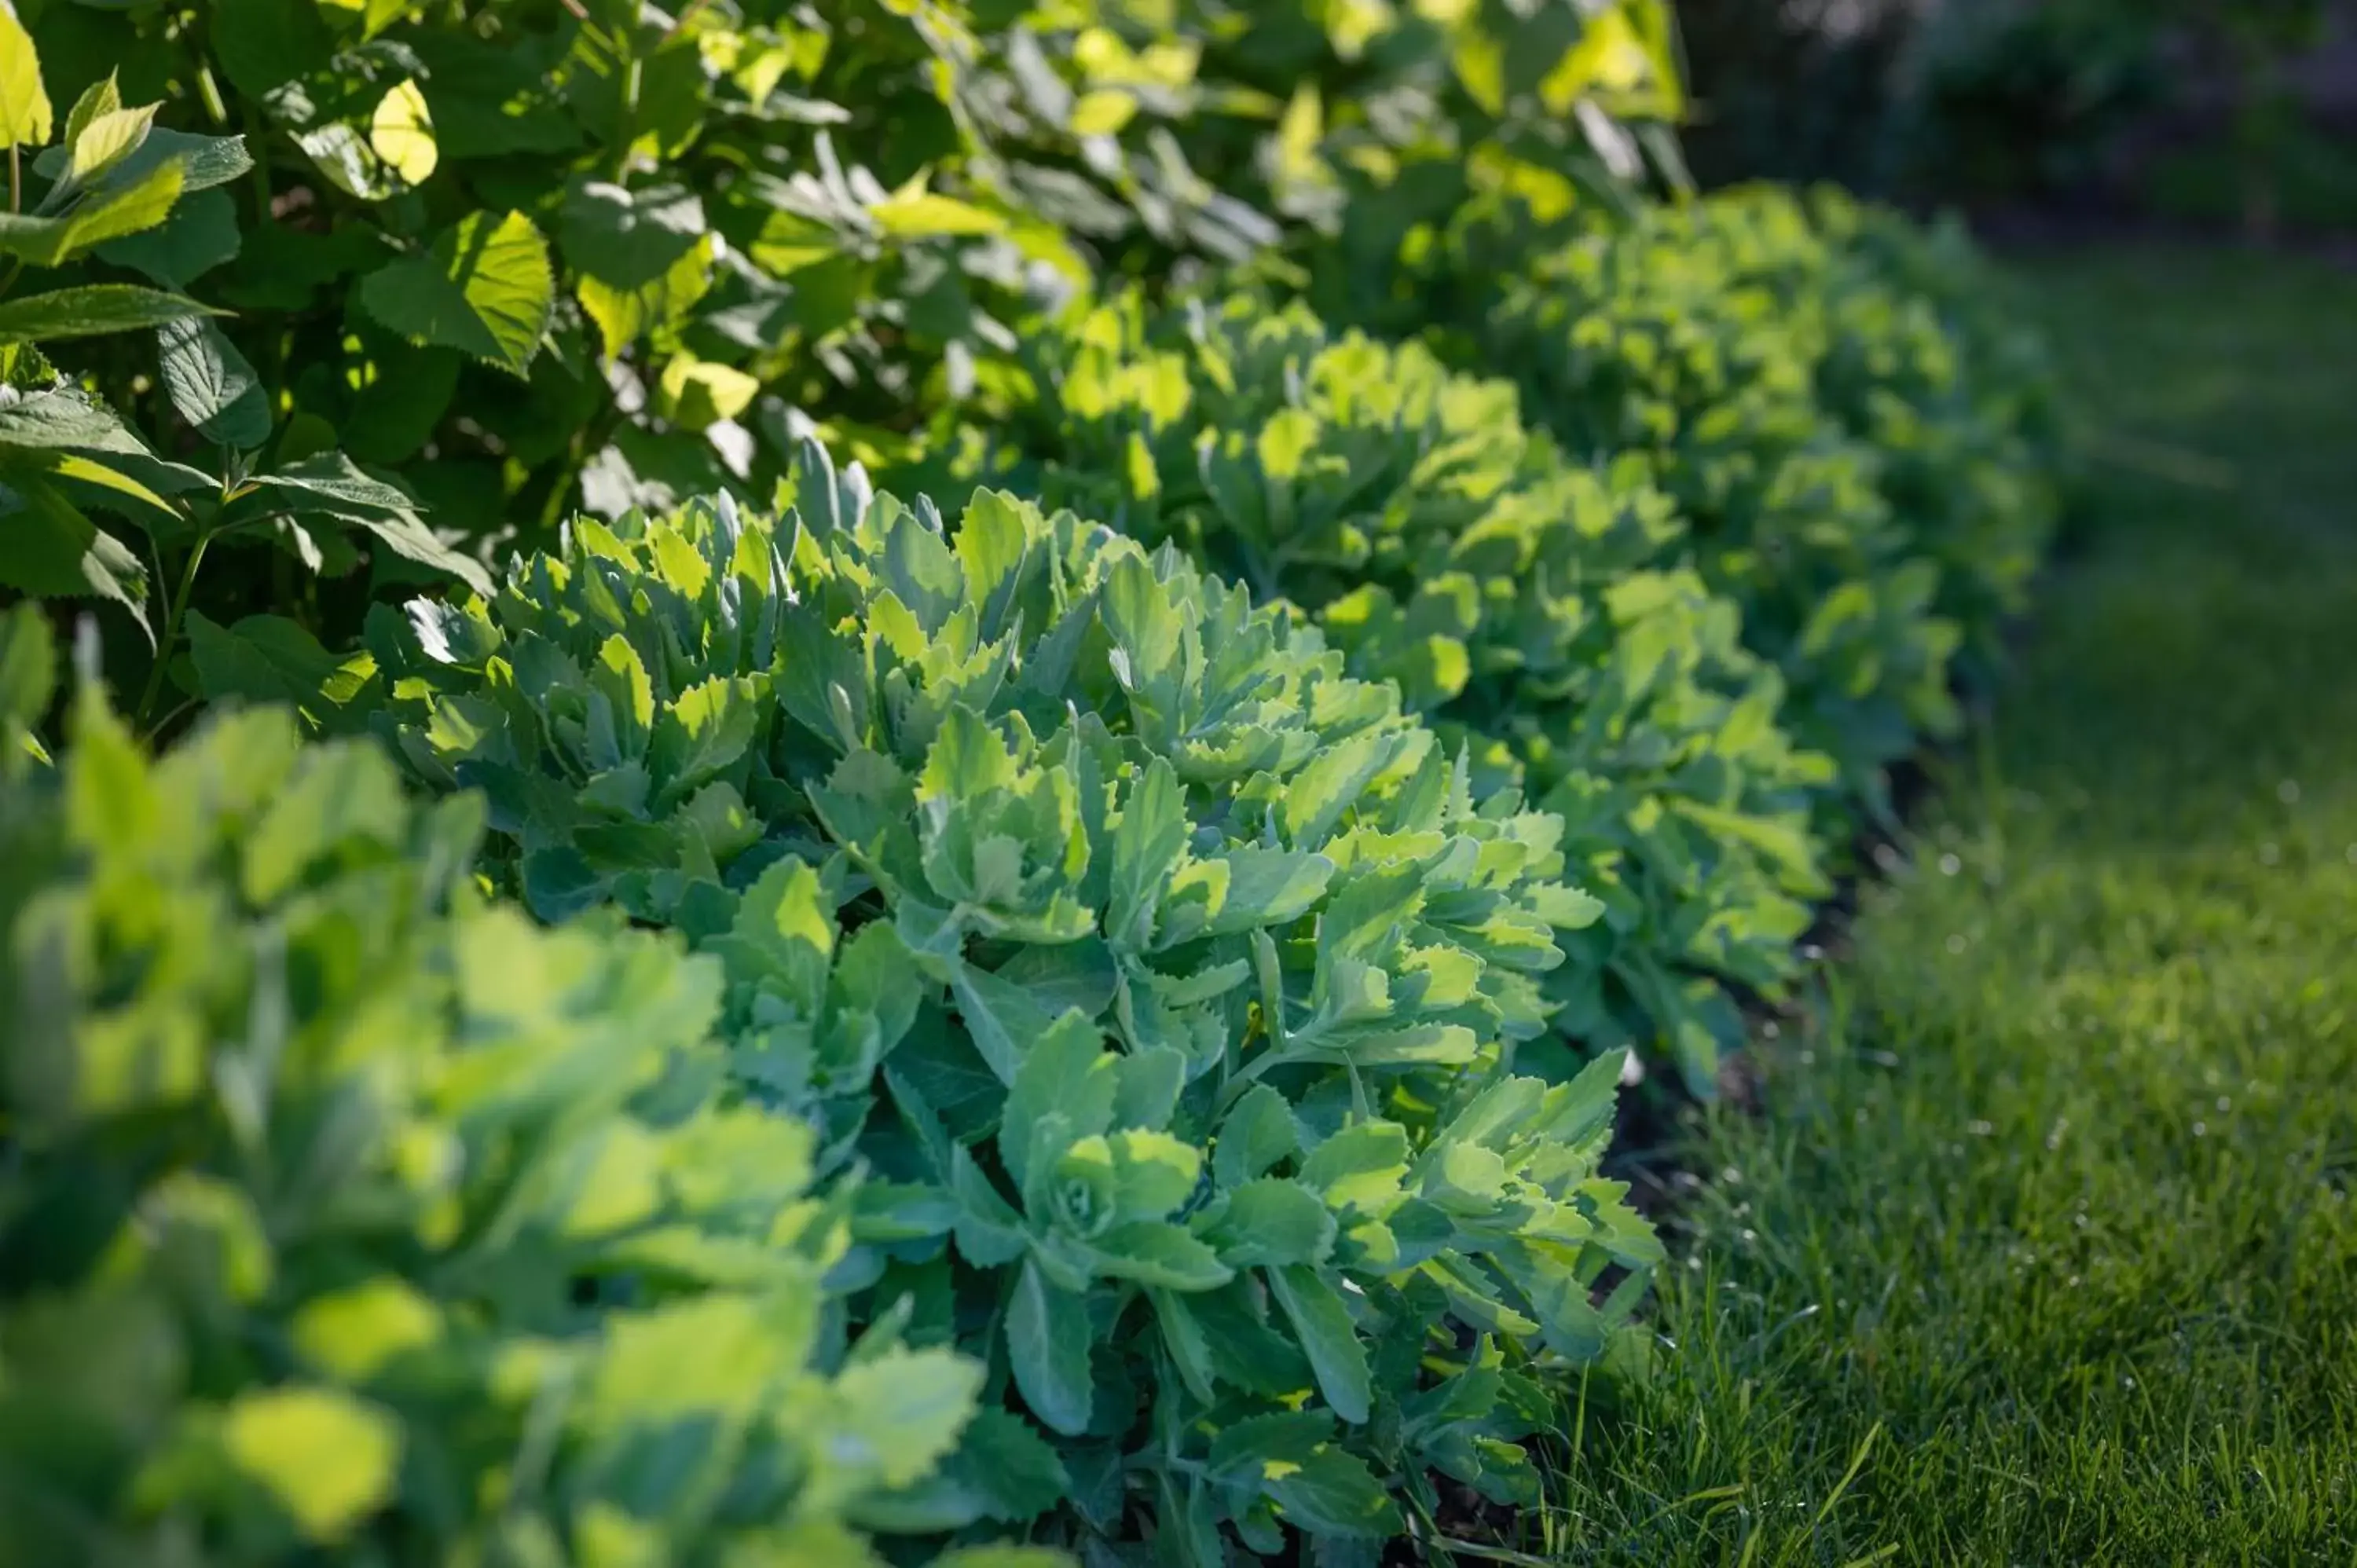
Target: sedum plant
351, 1218
1535, 610
1857, 480
1161, 979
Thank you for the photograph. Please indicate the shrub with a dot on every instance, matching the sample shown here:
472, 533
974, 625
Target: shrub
550, 254
953, 807
349, 1218
1856, 478
1533, 609
118, 190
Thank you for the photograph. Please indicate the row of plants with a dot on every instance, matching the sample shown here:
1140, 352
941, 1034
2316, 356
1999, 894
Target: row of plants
626, 994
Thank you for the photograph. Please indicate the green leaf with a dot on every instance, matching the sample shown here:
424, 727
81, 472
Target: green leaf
641, 260
1273, 1221
897, 1413
263, 44
352, 1333
1323, 1323
50, 550
1068, 1074
485, 289
25, 113
1258, 1134
1332, 1493
328, 1459
916, 215
1015, 1470
106, 141
1163, 1256
988, 1229
28, 665
212, 385
330, 485
97, 100
124, 206
200, 234
697, 394
204, 161
266, 658
92, 310
1047, 1339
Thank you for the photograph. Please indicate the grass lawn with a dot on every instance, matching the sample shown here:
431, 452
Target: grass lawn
2045, 1251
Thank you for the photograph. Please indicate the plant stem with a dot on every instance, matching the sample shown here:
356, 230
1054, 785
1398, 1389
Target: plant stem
171, 638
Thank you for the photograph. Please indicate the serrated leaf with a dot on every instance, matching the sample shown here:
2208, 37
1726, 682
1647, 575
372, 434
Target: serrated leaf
1272, 1220
107, 140
897, 1413
99, 98
50, 549
485, 289
122, 205
92, 310
1323, 1324
212, 385
1015, 1469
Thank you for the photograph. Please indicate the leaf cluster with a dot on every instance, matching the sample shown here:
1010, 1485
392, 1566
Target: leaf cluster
350, 1217
1161, 979
1539, 611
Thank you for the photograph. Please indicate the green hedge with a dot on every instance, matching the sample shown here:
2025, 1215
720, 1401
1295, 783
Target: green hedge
351, 1216
1864, 451
1539, 612
954, 807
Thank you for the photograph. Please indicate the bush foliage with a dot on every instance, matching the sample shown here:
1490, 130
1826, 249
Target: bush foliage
955, 808
1541, 613
669, 1005
1857, 443
348, 1212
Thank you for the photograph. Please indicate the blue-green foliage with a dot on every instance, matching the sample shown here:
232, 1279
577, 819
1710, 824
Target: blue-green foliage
1539, 611
1864, 475
1161, 979
349, 1217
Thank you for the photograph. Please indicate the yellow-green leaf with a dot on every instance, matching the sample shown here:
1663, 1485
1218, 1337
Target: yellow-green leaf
402, 132
485, 289
26, 118
354, 1332
1102, 112
697, 393
326, 1457
916, 215
109, 139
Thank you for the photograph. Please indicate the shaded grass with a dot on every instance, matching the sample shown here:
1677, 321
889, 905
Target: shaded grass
2045, 1251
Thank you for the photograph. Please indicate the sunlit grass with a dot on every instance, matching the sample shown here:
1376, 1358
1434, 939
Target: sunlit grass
2045, 1251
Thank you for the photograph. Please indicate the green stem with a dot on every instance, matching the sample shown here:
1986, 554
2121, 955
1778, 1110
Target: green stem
171, 636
